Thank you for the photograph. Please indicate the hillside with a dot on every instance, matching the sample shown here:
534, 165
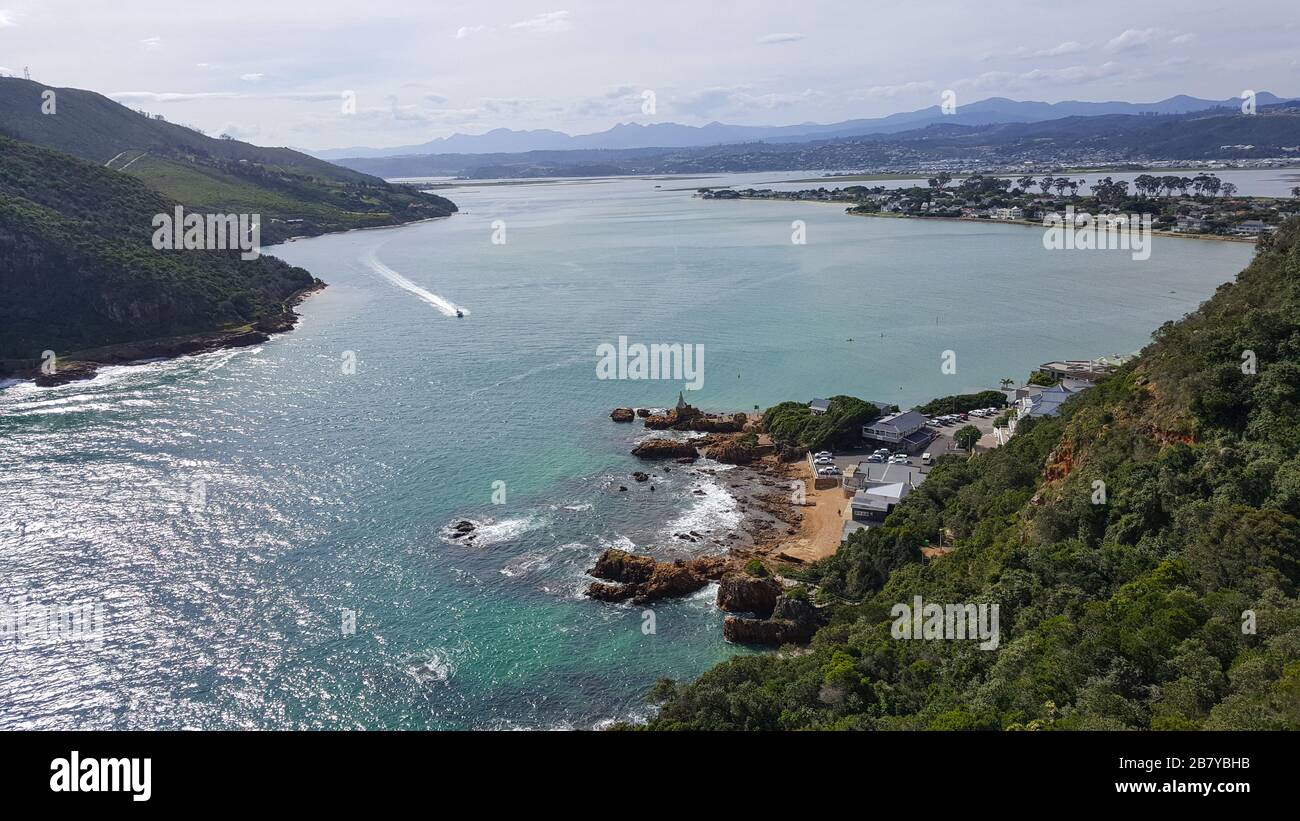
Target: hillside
78, 268
1168, 604
210, 174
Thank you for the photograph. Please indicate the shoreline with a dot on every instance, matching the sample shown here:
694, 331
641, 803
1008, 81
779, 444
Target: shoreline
980, 220
83, 365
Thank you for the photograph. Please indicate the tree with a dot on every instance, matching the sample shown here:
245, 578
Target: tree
967, 437
1007, 382
1046, 184
1027, 181
1229, 189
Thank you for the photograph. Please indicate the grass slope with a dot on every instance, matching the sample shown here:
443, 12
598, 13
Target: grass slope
208, 174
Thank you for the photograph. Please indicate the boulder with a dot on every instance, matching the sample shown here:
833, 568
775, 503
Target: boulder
622, 415
732, 452
743, 593
640, 476
793, 621
665, 449
643, 579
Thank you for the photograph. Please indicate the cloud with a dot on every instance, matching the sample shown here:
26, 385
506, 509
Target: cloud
781, 37
6, 18
255, 77
549, 21
1005, 80
1183, 39
151, 43
710, 102
466, 31
1131, 39
916, 86
188, 96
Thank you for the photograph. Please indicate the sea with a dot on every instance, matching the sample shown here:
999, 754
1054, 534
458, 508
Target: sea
263, 537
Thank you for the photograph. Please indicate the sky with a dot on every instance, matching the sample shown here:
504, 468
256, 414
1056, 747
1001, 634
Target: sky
280, 73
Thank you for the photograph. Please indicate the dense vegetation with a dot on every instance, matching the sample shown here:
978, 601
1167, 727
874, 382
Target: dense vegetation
1143, 547
78, 269
794, 425
963, 402
296, 195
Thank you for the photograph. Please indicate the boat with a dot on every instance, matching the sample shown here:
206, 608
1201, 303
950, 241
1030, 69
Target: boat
459, 312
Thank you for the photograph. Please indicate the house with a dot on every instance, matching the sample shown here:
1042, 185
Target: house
1192, 224
906, 430
1013, 213
868, 474
1249, 228
851, 527
875, 503
1047, 402
1087, 370
819, 406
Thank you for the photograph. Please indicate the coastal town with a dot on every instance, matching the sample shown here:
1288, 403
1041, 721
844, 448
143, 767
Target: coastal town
804, 505
1200, 205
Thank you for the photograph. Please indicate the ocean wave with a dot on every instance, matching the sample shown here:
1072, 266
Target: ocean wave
714, 509
491, 531
434, 669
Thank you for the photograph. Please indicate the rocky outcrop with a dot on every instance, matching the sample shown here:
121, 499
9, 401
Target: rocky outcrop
793, 621
743, 593
665, 449
642, 579
640, 476
65, 373
732, 452
643, 412
691, 419
622, 414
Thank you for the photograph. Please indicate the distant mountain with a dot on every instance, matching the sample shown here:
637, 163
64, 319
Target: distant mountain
1215, 133
209, 174
673, 135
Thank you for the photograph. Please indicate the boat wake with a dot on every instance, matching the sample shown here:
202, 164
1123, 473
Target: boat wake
447, 307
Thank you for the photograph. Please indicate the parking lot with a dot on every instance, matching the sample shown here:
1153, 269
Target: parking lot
941, 444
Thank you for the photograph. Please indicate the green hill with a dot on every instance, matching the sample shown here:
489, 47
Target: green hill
296, 195
1169, 602
78, 269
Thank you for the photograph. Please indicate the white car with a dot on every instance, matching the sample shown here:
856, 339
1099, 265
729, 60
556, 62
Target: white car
825, 454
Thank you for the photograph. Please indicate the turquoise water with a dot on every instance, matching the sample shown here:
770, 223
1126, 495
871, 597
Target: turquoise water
325, 491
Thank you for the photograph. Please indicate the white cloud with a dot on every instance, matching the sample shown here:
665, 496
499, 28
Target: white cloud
151, 43
255, 77
1070, 75
549, 21
1183, 39
6, 18
1130, 39
886, 92
466, 31
781, 37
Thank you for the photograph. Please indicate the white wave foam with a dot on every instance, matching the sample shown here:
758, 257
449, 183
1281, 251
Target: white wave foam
436, 668
714, 510
447, 307
491, 531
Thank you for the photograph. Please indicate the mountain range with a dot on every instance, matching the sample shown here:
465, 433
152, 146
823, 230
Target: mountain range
675, 135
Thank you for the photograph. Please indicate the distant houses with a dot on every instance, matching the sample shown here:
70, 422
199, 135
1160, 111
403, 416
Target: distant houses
819, 406
877, 488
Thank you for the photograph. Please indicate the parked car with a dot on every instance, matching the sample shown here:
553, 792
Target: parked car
926, 459
875, 459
